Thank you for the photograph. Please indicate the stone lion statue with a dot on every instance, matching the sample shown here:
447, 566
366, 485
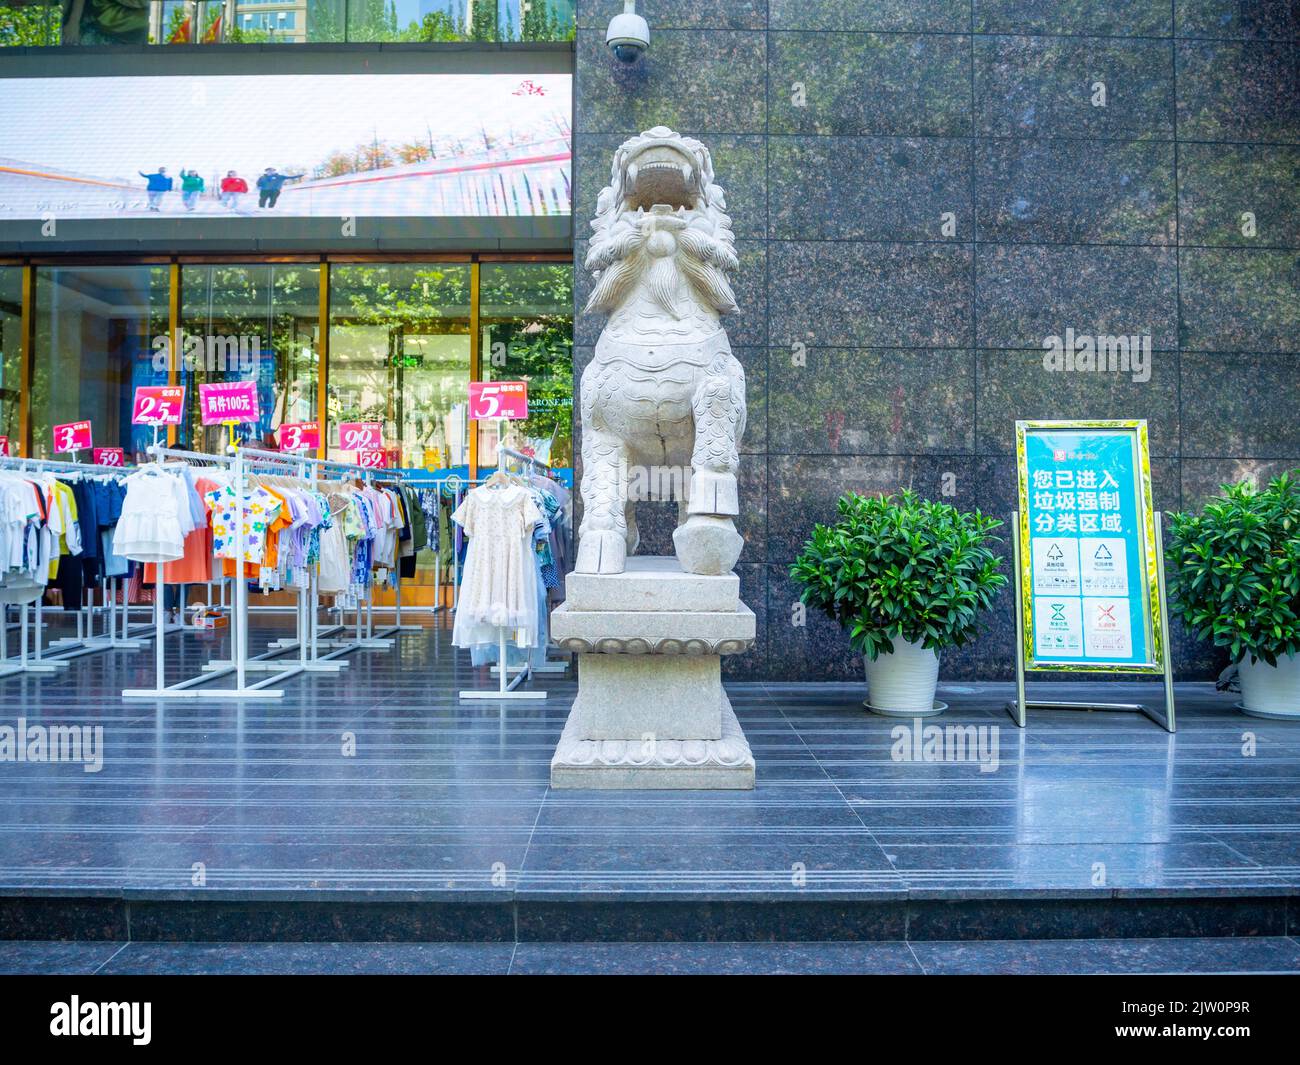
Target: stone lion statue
663, 391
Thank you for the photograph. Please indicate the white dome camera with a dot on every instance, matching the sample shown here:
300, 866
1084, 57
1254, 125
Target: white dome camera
628, 35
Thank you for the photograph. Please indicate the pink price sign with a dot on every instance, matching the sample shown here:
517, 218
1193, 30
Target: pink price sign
109, 456
158, 405
298, 436
72, 436
361, 436
489, 400
4, 445
373, 459
228, 402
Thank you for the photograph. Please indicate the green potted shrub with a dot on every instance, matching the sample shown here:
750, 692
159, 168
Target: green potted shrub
1235, 580
905, 578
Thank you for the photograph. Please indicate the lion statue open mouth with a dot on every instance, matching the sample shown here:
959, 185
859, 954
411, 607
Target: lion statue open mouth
663, 390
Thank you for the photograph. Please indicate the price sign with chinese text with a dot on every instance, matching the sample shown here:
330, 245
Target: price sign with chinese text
373, 458
1088, 581
158, 405
228, 402
72, 436
498, 399
360, 436
109, 456
4, 445
298, 436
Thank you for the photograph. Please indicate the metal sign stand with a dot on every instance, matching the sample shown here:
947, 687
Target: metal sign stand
1017, 708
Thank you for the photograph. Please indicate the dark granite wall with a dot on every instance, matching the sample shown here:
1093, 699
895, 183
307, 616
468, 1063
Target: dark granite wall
922, 348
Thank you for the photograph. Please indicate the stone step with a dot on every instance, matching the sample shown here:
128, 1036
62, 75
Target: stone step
532, 913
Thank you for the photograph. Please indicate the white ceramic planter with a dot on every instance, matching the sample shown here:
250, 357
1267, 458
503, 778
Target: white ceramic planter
902, 684
1270, 691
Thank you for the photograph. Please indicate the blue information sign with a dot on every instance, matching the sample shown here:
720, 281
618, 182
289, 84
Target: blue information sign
1088, 577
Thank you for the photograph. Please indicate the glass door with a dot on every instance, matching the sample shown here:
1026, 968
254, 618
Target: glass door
399, 354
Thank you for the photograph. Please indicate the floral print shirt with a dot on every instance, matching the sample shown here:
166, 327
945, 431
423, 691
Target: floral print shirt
260, 510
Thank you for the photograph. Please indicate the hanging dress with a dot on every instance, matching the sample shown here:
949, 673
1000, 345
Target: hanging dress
498, 582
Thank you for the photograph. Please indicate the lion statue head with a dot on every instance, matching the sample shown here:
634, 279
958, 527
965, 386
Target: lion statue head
662, 220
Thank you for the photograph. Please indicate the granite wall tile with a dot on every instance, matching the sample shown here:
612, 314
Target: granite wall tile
872, 401
837, 206
678, 14
1107, 18
847, 294
818, 649
1238, 91
706, 80
869, 83
1236, 299
1016, 385
1046, 87
748, 326
1235, 19
1049, 191
803, 489
1254, 415
739, 163
1027, 293
1218, 184
924, 16
753, 593
1203, 479
901, 189
754, 360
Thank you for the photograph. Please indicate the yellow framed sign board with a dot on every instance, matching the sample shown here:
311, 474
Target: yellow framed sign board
1089, 565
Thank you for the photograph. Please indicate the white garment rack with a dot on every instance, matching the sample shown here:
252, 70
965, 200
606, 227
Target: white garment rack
308, 639
86, 642
363, 636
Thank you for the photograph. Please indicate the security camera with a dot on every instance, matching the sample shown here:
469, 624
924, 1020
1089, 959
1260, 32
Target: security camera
628, 35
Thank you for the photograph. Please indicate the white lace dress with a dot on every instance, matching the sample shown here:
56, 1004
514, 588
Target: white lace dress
498, 587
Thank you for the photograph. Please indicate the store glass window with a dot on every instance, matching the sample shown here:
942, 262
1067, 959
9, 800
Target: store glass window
11, 316
526, 317
100, 331
250, 322
399, 354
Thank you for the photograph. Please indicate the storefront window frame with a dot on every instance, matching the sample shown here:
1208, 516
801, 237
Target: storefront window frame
176, 263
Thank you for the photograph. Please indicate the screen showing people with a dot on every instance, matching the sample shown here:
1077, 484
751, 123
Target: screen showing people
255, 146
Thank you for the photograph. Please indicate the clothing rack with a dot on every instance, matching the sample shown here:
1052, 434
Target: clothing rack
307, 639
363, 636
241, 462
528, 460
458, 485
86, 641
185, 689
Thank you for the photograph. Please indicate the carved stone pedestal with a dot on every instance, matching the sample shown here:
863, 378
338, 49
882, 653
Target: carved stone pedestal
651, 711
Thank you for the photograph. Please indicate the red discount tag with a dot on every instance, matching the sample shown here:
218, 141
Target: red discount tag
373, 459
109, 456
228, 402
298, 436
360, 436
4, 445
489, 400
158, 405
72, 436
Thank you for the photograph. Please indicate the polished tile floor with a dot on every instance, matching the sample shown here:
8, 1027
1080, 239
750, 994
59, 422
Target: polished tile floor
380, 778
